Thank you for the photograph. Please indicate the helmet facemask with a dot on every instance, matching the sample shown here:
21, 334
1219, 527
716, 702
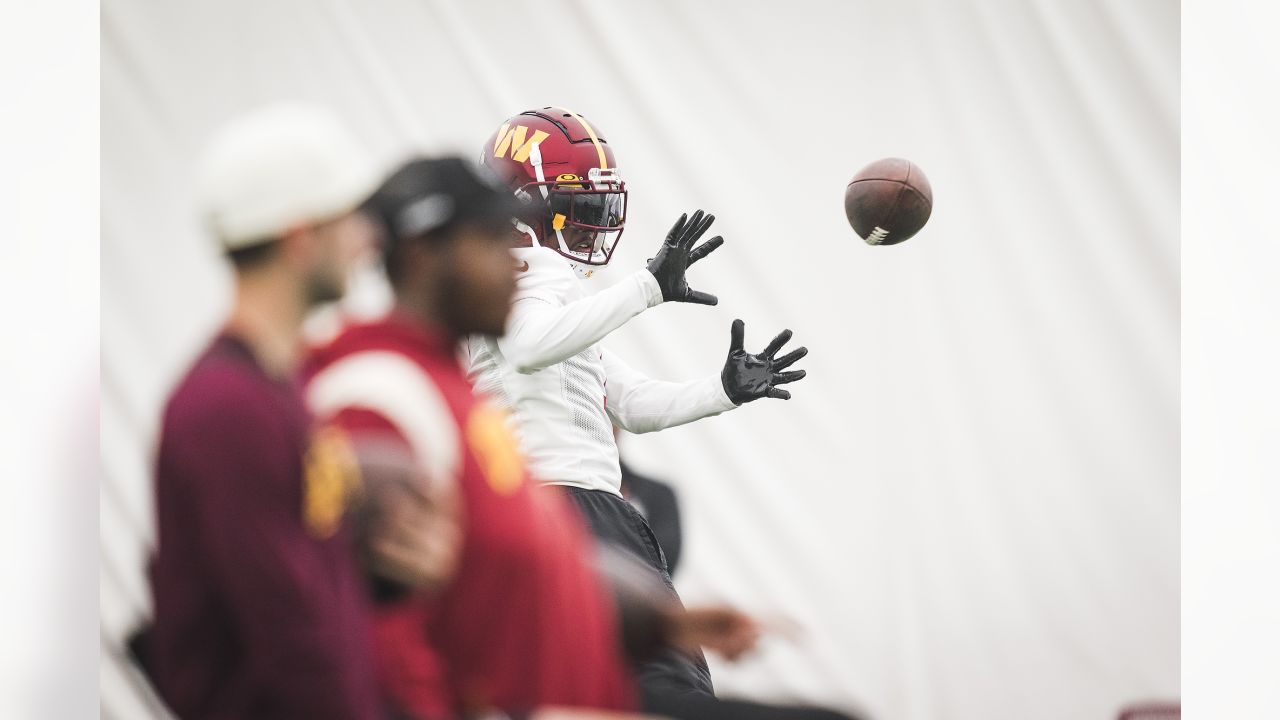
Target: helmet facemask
596, 205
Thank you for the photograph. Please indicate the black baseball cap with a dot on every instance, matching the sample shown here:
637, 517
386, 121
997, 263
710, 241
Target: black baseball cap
427, 196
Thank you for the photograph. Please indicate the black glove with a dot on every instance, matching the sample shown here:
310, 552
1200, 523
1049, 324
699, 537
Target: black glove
678, 253
747, 377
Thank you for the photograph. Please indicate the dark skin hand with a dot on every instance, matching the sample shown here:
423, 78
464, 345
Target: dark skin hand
419, 541
727, 631
412, 534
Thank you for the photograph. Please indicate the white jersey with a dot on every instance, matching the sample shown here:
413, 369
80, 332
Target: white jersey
565, 391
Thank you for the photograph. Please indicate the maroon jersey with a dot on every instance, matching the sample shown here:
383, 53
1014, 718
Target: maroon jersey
259, 612
525, 622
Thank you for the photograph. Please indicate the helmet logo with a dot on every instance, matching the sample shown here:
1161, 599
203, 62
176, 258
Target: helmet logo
569, 180
513, 139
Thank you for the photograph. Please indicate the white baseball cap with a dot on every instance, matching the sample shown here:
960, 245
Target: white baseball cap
280, 167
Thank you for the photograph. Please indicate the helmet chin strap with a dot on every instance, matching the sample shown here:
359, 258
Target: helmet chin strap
533, 236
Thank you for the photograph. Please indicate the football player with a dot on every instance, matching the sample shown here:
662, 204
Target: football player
565, 390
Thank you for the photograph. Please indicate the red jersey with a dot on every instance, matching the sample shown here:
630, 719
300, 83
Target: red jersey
525, 622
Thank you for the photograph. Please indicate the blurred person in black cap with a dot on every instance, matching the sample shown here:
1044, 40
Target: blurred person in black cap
512, 616
258, 609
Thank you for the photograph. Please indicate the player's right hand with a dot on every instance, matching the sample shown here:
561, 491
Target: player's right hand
726, 630
678, 253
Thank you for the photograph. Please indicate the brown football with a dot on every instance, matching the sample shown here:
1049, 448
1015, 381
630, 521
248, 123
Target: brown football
888, 201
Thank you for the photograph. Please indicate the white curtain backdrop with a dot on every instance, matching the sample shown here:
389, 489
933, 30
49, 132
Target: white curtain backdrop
970, 507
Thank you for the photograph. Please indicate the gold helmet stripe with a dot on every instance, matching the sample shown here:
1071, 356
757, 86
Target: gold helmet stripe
604, 165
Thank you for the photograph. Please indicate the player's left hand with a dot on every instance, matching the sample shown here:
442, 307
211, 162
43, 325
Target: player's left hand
747, 377
419, 542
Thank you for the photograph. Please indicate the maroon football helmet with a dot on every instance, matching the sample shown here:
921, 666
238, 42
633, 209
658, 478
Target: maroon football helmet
554, 157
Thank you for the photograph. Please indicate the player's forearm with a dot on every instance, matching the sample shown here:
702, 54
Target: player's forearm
540, 335
654, 405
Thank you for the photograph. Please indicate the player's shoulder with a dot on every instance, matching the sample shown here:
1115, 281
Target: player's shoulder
387, 337
226, 387
379, 384
384, 367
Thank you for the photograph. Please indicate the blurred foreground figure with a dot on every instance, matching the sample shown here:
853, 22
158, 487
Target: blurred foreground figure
259, 612
512, 617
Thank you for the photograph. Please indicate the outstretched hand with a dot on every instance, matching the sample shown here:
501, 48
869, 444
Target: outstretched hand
678, 253
728, 631
747, 377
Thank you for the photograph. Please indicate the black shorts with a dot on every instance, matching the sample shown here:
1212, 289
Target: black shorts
614, 521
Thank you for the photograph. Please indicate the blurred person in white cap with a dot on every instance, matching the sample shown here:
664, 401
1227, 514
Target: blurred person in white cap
258, 608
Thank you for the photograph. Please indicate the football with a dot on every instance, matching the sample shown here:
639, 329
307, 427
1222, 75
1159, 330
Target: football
888, 201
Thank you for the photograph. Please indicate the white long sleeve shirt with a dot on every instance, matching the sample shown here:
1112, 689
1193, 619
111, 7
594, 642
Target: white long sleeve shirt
563, 389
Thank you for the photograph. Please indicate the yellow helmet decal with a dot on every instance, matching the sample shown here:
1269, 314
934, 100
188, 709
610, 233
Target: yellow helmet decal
604, 164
